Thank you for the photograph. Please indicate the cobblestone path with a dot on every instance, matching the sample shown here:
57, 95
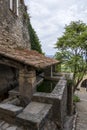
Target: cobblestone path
82, 111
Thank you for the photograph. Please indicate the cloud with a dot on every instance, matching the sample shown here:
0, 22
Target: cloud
48, 17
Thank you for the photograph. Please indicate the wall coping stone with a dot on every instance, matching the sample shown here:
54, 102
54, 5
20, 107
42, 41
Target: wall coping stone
57, 93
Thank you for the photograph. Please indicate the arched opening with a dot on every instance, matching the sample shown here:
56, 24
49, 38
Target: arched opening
84, 84
8, 80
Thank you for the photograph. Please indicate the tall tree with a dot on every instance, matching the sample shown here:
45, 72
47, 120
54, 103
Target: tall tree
72, 47
35, 43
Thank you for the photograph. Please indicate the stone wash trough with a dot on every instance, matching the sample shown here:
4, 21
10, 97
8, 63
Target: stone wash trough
57, 96
27, 104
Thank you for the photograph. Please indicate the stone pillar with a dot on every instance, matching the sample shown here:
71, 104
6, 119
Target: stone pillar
70, 99
27, 81
48, 73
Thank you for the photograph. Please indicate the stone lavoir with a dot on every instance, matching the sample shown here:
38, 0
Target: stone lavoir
22, 107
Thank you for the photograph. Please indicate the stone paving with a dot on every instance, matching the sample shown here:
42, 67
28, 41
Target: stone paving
81, 123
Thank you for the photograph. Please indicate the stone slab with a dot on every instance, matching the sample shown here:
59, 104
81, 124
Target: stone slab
35, 114
12, 128
10, 109
34, 108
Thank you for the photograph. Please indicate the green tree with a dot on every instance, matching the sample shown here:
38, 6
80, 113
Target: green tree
35, 43
72, 48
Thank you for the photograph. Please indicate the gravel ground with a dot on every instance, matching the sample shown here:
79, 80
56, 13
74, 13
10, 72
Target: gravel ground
82, 110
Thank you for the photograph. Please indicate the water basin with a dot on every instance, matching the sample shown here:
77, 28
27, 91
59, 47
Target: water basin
46, 86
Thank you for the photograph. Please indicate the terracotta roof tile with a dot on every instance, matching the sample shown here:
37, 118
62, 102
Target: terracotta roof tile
28, 57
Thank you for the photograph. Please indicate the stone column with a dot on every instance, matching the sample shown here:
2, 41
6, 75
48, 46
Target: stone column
48, 73
27, 81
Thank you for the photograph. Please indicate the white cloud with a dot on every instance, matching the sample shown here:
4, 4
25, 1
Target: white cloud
49, 17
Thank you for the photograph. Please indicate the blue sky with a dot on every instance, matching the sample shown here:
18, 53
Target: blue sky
48, 18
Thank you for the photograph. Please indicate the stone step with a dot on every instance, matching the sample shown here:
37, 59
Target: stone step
14, 92
10, 109
35, 115
8, 112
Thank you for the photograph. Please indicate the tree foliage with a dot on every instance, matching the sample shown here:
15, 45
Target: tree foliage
35, 43
72, 48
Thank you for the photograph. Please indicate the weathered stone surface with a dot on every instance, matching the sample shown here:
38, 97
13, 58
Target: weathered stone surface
50, 125
27, 81
68, 125
58, 98
47, 113
34, 108
13, 28
35, 118
48, 72
10, 109
8, 112
6, 125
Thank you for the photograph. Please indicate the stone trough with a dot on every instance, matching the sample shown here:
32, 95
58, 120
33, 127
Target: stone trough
58, 99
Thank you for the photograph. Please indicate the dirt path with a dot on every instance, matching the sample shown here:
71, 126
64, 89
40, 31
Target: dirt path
82, 111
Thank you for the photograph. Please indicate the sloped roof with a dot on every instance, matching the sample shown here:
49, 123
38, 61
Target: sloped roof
28, 57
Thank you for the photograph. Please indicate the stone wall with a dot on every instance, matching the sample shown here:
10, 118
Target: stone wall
13, 29
13, 34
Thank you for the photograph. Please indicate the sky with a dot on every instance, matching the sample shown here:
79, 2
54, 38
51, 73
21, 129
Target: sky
49, 17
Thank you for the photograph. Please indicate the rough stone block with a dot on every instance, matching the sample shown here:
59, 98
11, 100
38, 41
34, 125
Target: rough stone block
9, 109
35, 115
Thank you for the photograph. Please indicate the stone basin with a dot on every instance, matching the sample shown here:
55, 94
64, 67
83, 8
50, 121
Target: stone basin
46, 86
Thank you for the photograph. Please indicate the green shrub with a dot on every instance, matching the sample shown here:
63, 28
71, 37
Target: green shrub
76, 98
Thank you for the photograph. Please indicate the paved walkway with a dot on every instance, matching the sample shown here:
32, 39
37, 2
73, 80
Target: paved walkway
82, 110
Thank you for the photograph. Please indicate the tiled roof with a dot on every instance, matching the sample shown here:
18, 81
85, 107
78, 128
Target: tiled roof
28, 57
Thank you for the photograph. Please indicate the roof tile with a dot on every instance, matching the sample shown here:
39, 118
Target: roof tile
28, 57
